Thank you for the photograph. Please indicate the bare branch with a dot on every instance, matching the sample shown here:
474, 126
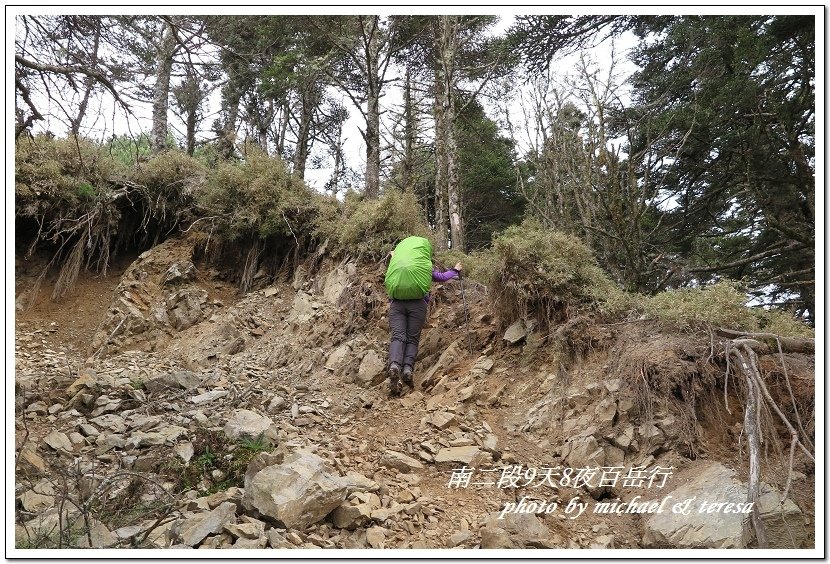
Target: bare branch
70, 70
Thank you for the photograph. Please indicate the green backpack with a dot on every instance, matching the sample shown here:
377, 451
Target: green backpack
409, 275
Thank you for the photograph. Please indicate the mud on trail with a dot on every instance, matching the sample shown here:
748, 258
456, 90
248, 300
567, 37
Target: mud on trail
157, 407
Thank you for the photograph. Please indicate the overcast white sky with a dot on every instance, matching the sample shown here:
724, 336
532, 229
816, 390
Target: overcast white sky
104, 120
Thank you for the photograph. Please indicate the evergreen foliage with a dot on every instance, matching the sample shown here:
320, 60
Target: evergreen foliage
370, 228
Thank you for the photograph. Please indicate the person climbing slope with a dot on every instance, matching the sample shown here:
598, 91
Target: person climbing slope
408, 279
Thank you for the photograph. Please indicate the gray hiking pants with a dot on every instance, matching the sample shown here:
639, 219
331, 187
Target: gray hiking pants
406, 319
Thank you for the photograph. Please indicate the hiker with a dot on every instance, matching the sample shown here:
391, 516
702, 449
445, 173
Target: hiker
408, 279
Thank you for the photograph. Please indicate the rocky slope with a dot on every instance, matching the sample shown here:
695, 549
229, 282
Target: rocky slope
172, 412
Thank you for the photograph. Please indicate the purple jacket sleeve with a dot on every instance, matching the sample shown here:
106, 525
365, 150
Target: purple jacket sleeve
438, 276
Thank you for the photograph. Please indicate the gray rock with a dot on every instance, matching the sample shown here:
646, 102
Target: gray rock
652, 437
246, 424
459, 537
297, 493
357, 482
348, 516
602, 542
302, 310
372, 370
713, 482
624, 438
583, 451
246, 530
88, 430
604, 413
106, 404
231, 495
182, 380
38, 408
111, 421
277, 403
276, 540
381, 514
784, 522
411, 399
339, 357
184, 451
178, 273
400, 461
258, 462
30, 462
483, 364
613, 456
87, 379
496, 538
100, 536
35, 502
184, 307
108, 441
491, 442
442, 419
245, 543
467, 455
576, 425
58, 441
76, 438
209, 396
516, 332
515, 530
376, 537
450, 355
193, 530
165, 435
335, 282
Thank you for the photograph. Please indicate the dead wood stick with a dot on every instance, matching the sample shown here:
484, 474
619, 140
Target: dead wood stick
753, 436
788, 344
793, 444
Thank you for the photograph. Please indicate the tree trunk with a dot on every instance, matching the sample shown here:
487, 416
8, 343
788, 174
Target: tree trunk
453, 180
164, 67
303, 131
285, 116
189, 98
227, 141
447, 53
337, 173
262, 126
440, 168
371, 32
191, 131
409, 136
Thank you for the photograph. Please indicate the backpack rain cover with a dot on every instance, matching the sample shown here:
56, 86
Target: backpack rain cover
409, 274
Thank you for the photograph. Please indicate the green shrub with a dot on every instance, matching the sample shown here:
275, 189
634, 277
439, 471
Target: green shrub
60, 174
450, 258
128, 150
723, 304
535, 271
371, 228
257, 197
552, 276
173, 175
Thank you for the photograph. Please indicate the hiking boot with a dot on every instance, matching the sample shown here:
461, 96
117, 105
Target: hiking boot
395, 379
407, 376
395, 388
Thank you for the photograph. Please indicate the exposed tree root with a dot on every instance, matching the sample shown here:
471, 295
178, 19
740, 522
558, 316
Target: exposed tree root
742, 352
